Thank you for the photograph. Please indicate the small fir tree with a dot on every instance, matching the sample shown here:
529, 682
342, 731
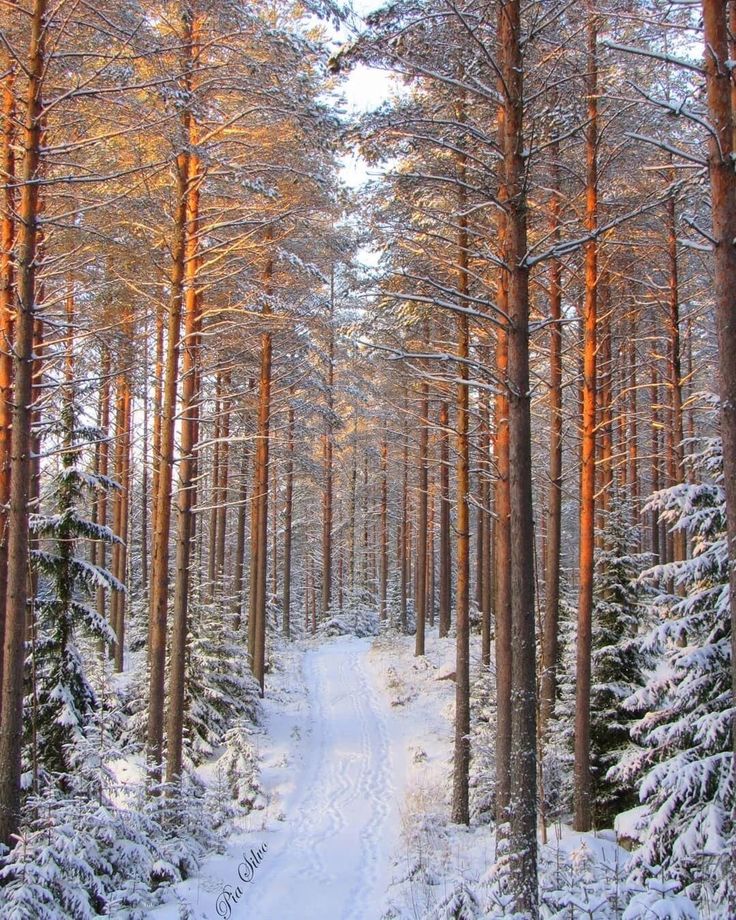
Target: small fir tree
62, 697
618, 660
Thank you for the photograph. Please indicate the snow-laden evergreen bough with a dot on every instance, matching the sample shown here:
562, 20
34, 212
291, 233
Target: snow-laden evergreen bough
685, 768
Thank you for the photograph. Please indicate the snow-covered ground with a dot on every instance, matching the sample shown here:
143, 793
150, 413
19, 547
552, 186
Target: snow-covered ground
356, 770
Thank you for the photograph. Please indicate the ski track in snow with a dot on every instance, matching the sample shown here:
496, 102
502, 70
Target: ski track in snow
331, 857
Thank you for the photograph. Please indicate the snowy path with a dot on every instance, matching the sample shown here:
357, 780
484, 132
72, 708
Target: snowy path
332, 855
333, 769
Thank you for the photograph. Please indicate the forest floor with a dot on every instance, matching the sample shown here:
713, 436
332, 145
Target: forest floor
356, 775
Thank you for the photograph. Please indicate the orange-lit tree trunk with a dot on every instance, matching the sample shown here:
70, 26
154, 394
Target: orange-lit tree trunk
550, 636
582, 787
7, 291
103, 468
259, 561
121, 500
162, 499
11, 729
523, 813
723, 204
502, 563
187, 485
486, 581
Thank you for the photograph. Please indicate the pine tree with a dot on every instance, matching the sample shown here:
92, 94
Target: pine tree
685, 771
63, 697
617, 660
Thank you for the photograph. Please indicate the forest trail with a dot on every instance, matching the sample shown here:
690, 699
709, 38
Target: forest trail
329, 855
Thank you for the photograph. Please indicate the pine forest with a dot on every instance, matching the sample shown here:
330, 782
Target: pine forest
368, 459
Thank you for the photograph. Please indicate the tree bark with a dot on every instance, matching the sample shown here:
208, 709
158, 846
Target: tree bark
550, 635
445, 541
523, 814
7, 291
327, 449
259, 561
723, 204
187, 486
11, 729
384, 529
422, 534
162, 502
288, 520
460, 805
582, 788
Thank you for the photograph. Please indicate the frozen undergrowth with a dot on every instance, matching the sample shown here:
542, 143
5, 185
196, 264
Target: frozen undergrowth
446, 872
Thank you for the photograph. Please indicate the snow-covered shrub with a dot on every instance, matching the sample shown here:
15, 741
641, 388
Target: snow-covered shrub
220, 687
588, 881
237, 789
557, 757
618, 661
660, 900
685, 770
94, 847
359, 620
482, 775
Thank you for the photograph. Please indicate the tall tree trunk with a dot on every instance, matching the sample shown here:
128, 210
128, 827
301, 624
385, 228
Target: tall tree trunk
7, 291
550, 635
162, 502
582, 788
11, 729
259, 561
102, 468
502, 563
485, 544
404, 545
723, 204
144, 499
676, 466
327, 448
223, 485
157, 404
445, 540
384, 529
121, 501
654, 398
460, 805
187, 486
214, 489
422, 535
288, 518
238, 564
523, 814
